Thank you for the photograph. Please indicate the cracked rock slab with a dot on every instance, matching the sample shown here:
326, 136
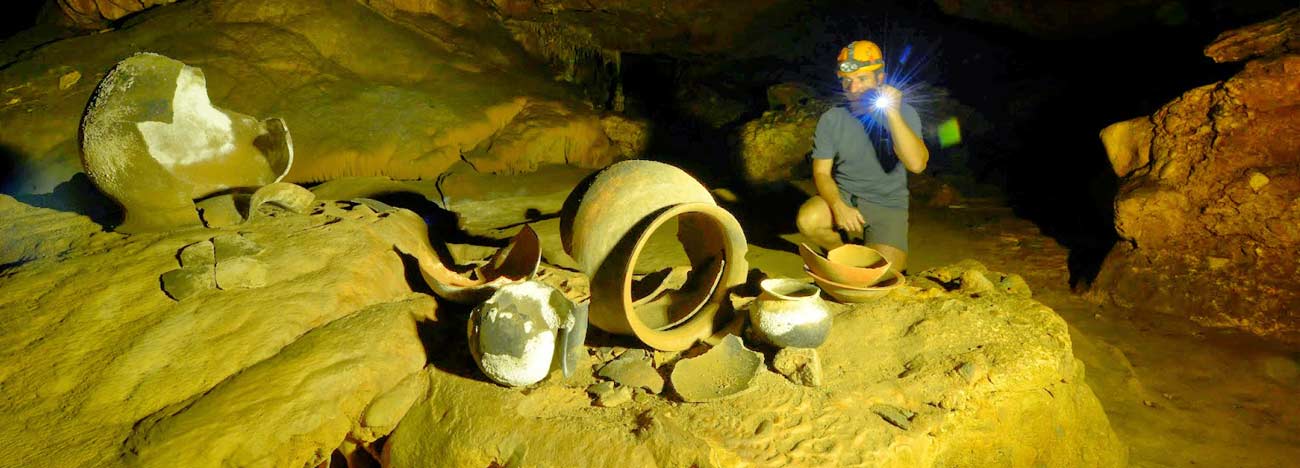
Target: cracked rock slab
241, 273
186, 282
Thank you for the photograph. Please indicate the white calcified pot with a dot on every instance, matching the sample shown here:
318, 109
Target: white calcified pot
791, 314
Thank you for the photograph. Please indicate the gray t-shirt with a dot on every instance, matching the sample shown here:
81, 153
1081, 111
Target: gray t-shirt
843, 137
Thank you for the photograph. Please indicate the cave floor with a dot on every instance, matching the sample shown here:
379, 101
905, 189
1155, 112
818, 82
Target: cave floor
1176, 393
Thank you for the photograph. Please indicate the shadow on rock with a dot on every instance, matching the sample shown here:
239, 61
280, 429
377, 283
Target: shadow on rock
78, 195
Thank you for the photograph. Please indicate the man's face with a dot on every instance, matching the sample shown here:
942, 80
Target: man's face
858, 83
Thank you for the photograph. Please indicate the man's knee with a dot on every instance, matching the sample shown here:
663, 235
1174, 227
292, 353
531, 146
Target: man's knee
813, 215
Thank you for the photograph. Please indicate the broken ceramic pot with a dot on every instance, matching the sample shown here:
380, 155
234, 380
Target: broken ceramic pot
790, 313
515, 263
852, 294
152, 141
524, 331
850, 264
608, 220
726, 370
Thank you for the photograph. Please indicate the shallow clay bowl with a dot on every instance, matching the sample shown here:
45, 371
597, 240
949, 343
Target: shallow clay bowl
849, 294
853, 265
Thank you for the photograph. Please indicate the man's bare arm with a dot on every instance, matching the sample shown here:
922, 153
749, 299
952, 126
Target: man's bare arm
845, 217
908, 146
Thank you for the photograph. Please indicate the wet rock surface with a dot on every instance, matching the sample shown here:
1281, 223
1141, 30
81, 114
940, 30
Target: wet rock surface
1209, 213
109, 369
410, 112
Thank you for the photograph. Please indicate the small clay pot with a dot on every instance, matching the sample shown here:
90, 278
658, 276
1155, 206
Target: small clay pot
791, 314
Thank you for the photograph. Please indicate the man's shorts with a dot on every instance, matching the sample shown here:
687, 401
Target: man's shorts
884, 225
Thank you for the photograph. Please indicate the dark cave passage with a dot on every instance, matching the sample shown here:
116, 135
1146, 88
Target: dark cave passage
1039, 103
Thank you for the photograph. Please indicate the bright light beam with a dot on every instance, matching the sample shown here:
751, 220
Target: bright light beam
883, 102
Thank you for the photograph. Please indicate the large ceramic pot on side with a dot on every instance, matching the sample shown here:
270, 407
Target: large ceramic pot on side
790, 313
608, 220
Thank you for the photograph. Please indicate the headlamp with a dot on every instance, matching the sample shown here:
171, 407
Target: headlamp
850, 65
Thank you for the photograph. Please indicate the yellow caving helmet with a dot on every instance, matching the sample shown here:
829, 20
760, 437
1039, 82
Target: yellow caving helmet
859, 56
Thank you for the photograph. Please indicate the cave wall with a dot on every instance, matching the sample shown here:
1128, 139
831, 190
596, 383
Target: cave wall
1209, 203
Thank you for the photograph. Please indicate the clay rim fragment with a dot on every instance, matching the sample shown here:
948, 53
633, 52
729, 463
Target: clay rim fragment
515, 263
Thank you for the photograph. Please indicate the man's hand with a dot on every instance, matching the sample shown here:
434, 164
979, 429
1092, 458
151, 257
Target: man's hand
847, 218
888, 97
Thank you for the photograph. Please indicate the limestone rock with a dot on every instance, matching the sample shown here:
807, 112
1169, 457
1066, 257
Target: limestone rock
315, 386
107, 370
634, 26
800, 365
484, 203
1202, 195
631, 137
773, 148
1025, 391
1279, 35
387, 410
972, 277
31, 233
408, 113
93, 14
783, 96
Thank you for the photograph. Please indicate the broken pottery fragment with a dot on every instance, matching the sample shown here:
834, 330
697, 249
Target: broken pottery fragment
376, 205
799, 365
198, 254
634, 370
219, 211
186, 282
617, 397
515, 263
152, 141
899, 417
609, 394
241, 273
790, 313
523, 332
281, 195
608, 220
726, 370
